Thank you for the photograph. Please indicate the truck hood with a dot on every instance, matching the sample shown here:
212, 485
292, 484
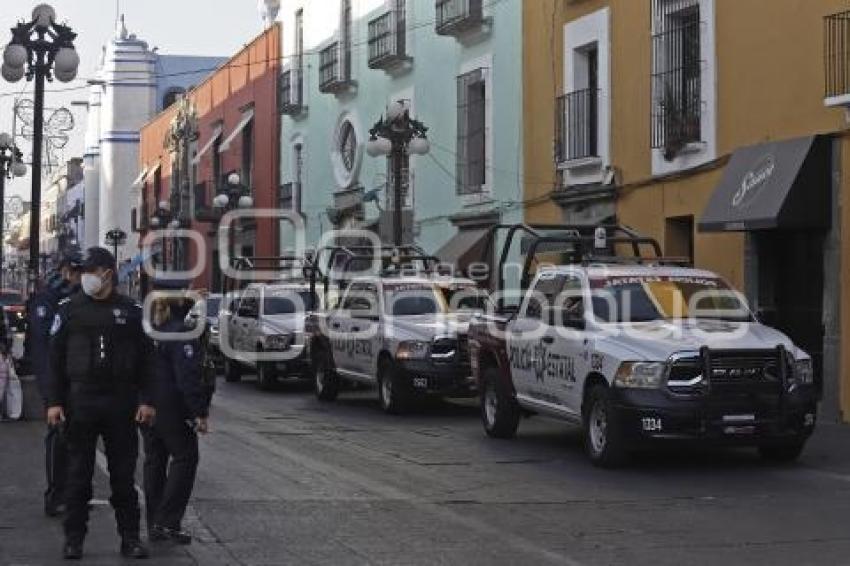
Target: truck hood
426, 327
658, 340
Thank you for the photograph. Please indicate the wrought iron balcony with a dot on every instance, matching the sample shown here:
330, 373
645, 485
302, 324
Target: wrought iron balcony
292, 92
455, 17
837, 59
577, 125
334, 69
387, 41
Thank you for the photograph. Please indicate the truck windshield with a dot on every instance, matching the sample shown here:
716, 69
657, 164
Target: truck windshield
288, 303
461, 298
412, 300
646, 298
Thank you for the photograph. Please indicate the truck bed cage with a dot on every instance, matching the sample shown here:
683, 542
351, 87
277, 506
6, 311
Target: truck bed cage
577, 242
269, 263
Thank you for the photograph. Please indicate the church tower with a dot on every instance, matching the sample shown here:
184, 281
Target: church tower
128, 101
91, 162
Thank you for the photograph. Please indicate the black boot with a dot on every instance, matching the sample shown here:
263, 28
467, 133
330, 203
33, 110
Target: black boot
72, 550
133, 548
158, 533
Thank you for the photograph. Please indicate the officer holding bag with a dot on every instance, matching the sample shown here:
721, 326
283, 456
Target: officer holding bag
101, 371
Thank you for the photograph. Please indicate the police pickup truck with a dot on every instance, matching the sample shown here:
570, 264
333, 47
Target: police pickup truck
637, 351
403, 335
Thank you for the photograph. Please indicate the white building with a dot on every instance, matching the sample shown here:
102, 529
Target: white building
133, 84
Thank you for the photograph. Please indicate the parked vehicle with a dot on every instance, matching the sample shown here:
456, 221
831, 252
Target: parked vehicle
13, 305
394, 332
211, 305
637, 350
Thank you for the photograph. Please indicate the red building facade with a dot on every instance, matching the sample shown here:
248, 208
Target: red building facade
236, 131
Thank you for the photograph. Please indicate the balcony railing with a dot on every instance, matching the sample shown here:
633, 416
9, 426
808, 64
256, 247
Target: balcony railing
292, 92
457, 16
387, 39
334, 75
577, 125
837, 58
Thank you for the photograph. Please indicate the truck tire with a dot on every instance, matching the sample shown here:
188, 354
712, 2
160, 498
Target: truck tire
783, 453
500, 412
325, 379
393, 394
602, 435
232, 371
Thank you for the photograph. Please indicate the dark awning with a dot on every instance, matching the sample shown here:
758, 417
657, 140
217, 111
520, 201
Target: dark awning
784, 184
466, 247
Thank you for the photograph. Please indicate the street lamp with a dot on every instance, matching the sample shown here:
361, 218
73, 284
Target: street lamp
11, 165
161, 218
116, 237
394, 136
234, 195
40, 50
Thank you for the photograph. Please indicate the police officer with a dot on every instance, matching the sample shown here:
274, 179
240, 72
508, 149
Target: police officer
99, 386
182, 406
43, 306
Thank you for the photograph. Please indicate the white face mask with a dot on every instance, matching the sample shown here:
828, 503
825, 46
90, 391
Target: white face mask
91, 284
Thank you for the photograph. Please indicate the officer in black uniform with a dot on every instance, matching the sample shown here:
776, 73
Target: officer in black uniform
43, 306
182, 407
99, 385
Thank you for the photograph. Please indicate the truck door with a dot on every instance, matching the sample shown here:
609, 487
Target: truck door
564, 346
364, 331
529, 338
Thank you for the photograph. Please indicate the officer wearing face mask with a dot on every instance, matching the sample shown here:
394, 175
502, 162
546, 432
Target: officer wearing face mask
42, 310
101, 371
182, 407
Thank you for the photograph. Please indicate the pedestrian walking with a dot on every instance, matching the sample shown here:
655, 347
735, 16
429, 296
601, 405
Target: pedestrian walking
43, 307
11, 400
101, 371
182, 406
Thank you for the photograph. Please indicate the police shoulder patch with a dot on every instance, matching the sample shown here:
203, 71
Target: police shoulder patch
189, 351
41, 311
56, 326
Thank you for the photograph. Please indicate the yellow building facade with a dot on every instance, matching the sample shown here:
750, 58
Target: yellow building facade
714, 126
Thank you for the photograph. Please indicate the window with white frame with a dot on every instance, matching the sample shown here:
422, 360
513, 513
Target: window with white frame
472, 132
583, 112
683, 106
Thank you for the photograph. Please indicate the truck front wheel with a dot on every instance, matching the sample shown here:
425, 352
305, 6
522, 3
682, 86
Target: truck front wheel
393, 394
232, 371
602, 436
500, 412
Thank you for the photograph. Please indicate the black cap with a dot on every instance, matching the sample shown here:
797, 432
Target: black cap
98, 257
72, 258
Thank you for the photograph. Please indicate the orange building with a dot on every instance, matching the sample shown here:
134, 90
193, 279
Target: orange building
228, 124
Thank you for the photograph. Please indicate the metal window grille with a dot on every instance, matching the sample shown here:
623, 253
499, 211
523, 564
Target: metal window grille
457, 13
471, 132
297, 81
285, 196
837, 54
381, 34
345, 41
286, 94
676, 75
329, 65
577, 125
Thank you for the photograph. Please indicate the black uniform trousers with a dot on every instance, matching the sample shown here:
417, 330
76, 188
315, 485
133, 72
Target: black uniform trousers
171, 460
56, 460
111, 417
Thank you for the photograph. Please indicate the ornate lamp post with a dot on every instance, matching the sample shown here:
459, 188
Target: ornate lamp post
11, 164
40, 50
182, 131
235, 195
394, 136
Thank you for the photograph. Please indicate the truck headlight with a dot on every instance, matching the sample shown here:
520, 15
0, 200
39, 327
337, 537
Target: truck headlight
804, 374
279, 342
412, 350
640, 375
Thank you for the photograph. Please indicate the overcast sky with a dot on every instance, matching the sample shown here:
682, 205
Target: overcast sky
177, 27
